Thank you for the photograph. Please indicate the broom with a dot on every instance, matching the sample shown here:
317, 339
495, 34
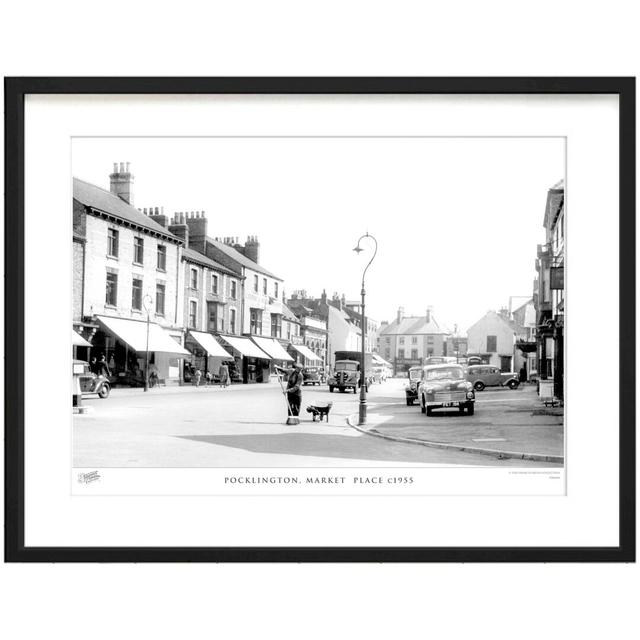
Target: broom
291, 419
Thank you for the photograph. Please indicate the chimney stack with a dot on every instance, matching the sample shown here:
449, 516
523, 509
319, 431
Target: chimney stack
179, 228
197, 223
400, 316
252, 249
429, 310
121, 182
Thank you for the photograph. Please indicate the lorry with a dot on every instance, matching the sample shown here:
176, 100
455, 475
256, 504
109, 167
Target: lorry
346, 373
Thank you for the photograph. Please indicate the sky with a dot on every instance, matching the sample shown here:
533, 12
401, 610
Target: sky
457, 220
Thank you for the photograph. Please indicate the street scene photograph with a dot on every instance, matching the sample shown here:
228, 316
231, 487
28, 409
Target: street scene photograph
312, 302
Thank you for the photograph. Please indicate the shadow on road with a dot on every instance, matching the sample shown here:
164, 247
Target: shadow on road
336, 446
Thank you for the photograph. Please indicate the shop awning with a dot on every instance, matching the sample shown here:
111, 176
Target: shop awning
210, 344
273, 348
378, 360
134, 333
77, 340
246, 347
306, 352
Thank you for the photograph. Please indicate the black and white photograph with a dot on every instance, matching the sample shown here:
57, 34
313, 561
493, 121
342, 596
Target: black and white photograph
318, 302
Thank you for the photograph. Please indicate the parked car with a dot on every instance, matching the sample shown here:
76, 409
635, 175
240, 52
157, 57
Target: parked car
411, 389
312, 375
484, 375
90, 382
444, 385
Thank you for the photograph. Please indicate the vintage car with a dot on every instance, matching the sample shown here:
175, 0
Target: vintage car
411, 389
346, 375
485, 375
91, 383
444, 385
312, 375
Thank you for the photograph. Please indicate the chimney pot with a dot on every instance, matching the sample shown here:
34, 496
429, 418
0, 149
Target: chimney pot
122, 167
115, 167
128, 167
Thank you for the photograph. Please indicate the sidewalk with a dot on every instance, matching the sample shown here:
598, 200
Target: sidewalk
124, 392
500, 430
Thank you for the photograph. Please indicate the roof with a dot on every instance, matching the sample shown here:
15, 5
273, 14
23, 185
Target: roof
240, 258
413, 325
106, 202
288, 314
194, 256
555, 203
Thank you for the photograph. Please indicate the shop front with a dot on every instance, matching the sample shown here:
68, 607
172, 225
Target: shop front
309, 358
280, 358
251, 364
207, 353
125, 344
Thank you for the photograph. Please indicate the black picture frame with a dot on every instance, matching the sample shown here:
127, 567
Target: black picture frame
15, 91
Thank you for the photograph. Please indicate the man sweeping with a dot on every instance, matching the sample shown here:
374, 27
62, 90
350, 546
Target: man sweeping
294, 393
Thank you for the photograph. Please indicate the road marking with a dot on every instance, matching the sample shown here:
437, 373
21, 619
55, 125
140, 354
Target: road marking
489, 439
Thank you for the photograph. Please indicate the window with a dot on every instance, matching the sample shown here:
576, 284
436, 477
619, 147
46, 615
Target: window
214, 284
414, 354
256, 322
162, 258
193, 278
111, 298
232, 320
136, 294
160, 290
387, 353
216, 321
255, 283
429, 339
193, 314
138, 250
401, 340
401, 354
275, 289
414, 339
429, 351
387, 340
234, 290
264, 286
112, 243
276, 325
492, 344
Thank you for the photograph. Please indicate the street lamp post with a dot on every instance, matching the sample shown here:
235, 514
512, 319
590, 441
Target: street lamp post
362, 409
147, 302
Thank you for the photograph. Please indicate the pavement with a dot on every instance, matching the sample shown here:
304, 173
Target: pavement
506, 424
244, 426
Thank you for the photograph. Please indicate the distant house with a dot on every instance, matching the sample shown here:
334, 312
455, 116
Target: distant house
493, 338
408, 340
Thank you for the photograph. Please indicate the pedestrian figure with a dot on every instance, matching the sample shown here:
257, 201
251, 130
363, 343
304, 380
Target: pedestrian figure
103, 367
93, 365
209, 378
294, 389
197, 376
224, 375
523, 374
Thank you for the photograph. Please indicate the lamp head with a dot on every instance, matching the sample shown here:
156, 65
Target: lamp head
358, 249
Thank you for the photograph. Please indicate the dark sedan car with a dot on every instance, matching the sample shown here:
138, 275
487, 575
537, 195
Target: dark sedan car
312, 375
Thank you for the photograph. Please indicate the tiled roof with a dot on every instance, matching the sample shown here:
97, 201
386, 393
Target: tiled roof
194, 256
240, 258
413, 325
97, 198
288, 314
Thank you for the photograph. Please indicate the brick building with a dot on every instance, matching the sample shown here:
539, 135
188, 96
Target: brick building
126, 270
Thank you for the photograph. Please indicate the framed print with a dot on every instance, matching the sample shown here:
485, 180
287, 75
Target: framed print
320, 319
